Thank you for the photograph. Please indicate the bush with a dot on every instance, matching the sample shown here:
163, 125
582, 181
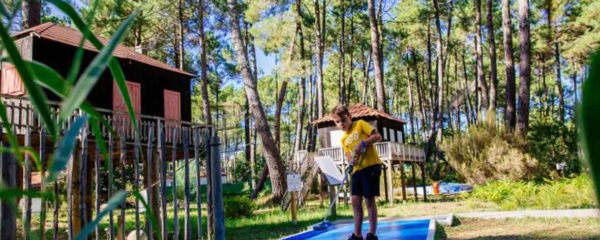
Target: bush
551, 142
483, 154
239, 206
509, 195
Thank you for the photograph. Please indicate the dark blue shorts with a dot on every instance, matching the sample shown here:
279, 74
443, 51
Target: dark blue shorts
365, 182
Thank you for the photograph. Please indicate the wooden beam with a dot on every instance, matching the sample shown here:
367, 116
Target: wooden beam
403, 178
414, 181
390, 178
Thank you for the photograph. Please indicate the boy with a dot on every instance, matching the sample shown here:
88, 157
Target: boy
358, 140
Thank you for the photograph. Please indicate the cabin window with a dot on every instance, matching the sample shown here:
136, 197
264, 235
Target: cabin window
392, 135
134, 90
172, 105
400, 137
11, 83
385, 137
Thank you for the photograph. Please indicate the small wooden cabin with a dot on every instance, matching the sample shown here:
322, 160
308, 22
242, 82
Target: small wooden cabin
391, 149
156, 89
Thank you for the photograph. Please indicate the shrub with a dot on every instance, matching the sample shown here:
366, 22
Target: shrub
509, 195
483, 154
552, 142
239, 206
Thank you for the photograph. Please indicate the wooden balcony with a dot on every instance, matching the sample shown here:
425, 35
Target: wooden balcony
388, 151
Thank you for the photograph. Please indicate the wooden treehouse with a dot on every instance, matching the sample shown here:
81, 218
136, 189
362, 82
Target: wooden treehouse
161, 99
392, 150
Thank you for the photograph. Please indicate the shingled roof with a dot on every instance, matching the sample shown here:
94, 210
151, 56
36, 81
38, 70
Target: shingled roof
359, 111
69, 36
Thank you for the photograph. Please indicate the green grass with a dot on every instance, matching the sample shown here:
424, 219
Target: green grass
563, 194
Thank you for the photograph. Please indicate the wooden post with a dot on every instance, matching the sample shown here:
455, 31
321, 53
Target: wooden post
198, 181
186, 186
423, 180
210, 217
136, 182
73, 218
219, 223
163, 180
390, 186
42, 152
414, 181
83, 179
150, 176
111, 222
403, 176
174, 183
8, 219
97, 179
122, 157
26, 216
293, 208
385, 183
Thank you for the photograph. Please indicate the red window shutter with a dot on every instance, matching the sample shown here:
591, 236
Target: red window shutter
134, 90
11, 81
172, 105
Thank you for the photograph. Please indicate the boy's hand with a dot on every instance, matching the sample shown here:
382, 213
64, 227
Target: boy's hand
360, 148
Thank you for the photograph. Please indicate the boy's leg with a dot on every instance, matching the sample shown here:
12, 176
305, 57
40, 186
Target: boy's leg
358, 214
372, 208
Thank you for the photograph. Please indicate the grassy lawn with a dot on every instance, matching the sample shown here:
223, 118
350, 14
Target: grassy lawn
529, 228
272, 223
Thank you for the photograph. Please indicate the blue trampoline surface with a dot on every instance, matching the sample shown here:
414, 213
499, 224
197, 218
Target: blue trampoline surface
386, 230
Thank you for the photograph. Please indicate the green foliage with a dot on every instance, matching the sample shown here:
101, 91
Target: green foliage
552, 142
509, 195
238, 206
483, 154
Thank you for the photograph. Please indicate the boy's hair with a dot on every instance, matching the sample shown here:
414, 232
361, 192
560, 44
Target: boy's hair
340, 110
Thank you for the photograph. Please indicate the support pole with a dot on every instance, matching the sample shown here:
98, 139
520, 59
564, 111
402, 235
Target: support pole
219, 223
390, 186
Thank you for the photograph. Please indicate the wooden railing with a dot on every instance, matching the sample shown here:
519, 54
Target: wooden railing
21, 116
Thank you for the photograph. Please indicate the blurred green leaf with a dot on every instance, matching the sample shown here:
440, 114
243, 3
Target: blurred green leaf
589, 117
53, 81
93, 72
65, 148
113, 203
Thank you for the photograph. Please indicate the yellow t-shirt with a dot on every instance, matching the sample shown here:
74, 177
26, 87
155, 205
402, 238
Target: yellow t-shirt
359, 131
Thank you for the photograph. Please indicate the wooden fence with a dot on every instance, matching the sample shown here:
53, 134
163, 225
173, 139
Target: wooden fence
139, 160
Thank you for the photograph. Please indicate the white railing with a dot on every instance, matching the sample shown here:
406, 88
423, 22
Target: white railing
336, 153
386, 150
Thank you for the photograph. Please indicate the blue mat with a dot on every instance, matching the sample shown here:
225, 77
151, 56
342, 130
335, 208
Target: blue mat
386, 230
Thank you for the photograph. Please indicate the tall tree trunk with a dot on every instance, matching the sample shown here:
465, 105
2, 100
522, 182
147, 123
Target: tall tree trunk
203, 66
510, 114
31, 13
411, 106
319, 41
482, 105
553, 37
273, 159
342, 69
301, 88
493, 65
524, 68
430, 73
418, 86
377, 59
470, 112
180, 37
440, 72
